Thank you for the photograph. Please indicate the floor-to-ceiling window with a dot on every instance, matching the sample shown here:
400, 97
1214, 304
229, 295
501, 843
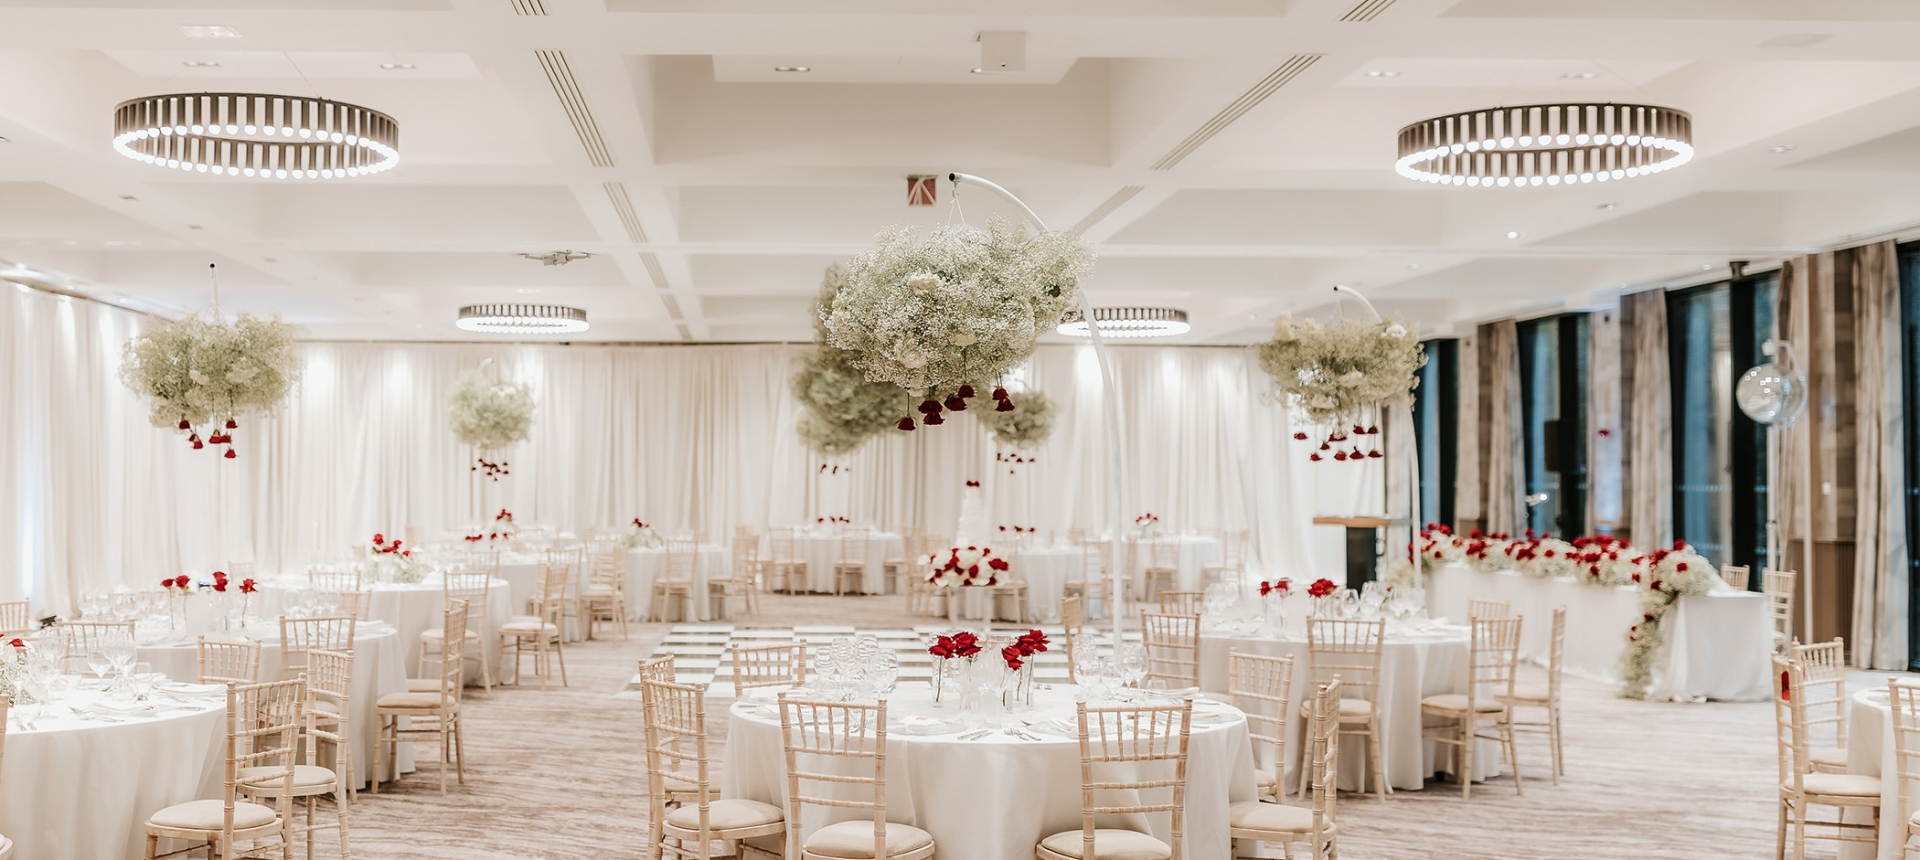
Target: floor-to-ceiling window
1436, 426
1553, 396
1910, 414
1719, 455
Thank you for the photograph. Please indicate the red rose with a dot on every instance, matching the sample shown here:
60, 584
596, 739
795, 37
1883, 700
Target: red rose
1321, 588
220, 586
167, 583
1302, 437
1012, 655
247, 586
1266, 588
379, 538
1682, 567
182, 581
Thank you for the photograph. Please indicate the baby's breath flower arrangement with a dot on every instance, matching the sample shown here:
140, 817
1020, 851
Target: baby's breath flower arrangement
1024, 424
204, 370
954, 306
841, 409
1339, 376
490, 414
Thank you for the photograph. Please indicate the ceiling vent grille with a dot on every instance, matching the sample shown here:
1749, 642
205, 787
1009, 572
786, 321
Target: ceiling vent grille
623, 206
560, 75
654, 271
1103, 210
536, 8
1366, 10
1252, 98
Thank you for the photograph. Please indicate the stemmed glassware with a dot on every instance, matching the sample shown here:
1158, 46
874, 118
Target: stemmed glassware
1132, 660
98, 662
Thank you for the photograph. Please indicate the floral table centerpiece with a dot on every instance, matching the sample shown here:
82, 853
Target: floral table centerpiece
1019, 659
961, 645
1273, 603
641, 536
503, 525
16, 671
387, 562
1326, 598
1146, 526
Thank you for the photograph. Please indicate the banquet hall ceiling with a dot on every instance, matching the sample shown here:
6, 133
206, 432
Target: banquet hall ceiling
1230, 157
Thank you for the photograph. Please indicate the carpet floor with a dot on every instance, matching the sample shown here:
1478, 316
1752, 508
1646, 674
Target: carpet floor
560, 774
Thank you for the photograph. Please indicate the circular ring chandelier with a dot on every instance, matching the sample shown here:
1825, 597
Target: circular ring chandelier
1128, 322
243, 134
1554, 144
522, 319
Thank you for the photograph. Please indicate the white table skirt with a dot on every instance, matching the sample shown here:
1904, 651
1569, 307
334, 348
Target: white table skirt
1717, 644
1196, 552
645, 564
821, 551
1410, 669
995, 798
1870, 752
412, 610
377, 670
1045, 570
80, 790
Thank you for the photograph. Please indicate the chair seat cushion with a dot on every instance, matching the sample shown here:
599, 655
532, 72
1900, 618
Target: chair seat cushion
727, 815
410, 701
529, 627
854, 840
523, 619
1351, 710
1532, 694
438, 633
1108, 845
1263, 779
1457, 703
210, 815
271, 778
423, 685
597, 591
1272, 817
1833, 757
1843, 784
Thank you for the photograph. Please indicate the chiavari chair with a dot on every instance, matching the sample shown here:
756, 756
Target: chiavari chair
83, 637
836, 754
1480, 607
330, 578
1777, 585
15, 620
1903, 697
605, 596
471, 587
572, 602
542, 629
741, 582
1802, 787
1823, 696
782, 665
1232, 567
1482, 712
855, 544
1182, 602
676, 736
300, 635
1349, 651
899, 570
1255, 821
785, 564
1073, 623
326, 717
675, 583
923, 597
1011, 585
1163, 565
1546, 696
1173, 648
262, 738
228, 660
432, 716
1126, 753
1260, 686
1090, 582
1736, 575
6, 845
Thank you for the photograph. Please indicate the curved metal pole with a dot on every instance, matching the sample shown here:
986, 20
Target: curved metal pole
1116, 483
1413, 485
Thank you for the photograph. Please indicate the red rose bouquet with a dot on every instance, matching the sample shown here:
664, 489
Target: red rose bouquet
1322, 588
1279, 586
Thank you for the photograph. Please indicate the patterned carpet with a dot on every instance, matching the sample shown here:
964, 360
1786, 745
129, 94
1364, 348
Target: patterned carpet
559, 775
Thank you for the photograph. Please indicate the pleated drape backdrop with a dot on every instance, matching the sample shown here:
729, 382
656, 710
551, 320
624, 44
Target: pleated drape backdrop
1880, 524
695, 437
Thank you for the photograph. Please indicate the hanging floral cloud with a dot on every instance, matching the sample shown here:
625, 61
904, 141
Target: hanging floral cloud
204, 370
841, 410
1025, 425
954, 306
490, 414
1333, 375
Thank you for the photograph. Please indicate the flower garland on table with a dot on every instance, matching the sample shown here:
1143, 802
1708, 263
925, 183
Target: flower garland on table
1023, 424
394, 564
490, 414
956, 305
1670, 575
199, 370
962, 567
639, 535
1338, 376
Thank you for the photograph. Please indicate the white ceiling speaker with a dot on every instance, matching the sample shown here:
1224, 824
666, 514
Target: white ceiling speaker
1003, 51
1128, 322
522, 319
256, 136
1528, 146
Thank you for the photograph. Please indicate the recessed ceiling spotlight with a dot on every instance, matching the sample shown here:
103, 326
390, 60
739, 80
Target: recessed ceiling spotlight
979, 71
1580, 76
6, 140
1785, 147
1514, 234
1413, 265
398, 67
128, 197
200, 64
1383, 73
1706, 267
1607, 207
194, 227
208, 31
792, 69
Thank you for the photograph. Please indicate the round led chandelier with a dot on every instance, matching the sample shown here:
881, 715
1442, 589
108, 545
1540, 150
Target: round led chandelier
243, 134
1128, 322
1556, 144
522, 319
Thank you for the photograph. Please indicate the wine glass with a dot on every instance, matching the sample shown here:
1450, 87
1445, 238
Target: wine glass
121, 653
121, 605
1086, 659
140, 681
98, 662
884, 674
1132, 659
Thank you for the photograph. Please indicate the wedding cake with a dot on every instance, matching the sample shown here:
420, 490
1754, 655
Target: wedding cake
972, 529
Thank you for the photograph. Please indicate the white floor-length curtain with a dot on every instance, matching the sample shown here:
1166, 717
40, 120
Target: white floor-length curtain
1650, 438
1880, 534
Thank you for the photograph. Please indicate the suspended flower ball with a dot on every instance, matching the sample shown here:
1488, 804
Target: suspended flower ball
1025, 423
203, 369
841, 409
1340, 376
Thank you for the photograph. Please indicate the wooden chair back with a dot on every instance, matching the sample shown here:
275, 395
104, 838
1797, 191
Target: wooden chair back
453, 627
1260, 686
1494, 653
835, 752
1347, 650
1556, 652
1126, 753
301, 635
1903, 695
1073, 622
1323, 761
675, 716
853, 546
228, 661
1736, 575
470, 586
1789, 723
780, 543
1822, 693
334, 579
1777, 585
659, 667
682, 556
746, 557
549, 599
263, 731
15, 618
782, 665
86, 636
1483, 608
328, 709
1173, 647
1182, 602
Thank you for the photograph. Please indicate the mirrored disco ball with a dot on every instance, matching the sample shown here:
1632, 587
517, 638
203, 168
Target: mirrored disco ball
1770, 395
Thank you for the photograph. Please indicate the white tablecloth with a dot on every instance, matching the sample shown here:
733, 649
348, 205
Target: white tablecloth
820, 551
1045, 569
412, 610
377, 670
644, 565
1870, 752
1411, 668
81, 790
1196, 552
1717, 644
995, 798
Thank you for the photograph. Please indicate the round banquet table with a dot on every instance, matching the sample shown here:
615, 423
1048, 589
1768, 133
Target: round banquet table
1045, 570
1870, 752
1412, 666
411, 609
645, 564
80, 789
1196, 552
377, 670
997, 797
821, 549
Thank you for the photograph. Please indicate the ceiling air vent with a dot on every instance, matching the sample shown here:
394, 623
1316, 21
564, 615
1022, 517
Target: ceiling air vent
1366, 10
560, 75
1252, 98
